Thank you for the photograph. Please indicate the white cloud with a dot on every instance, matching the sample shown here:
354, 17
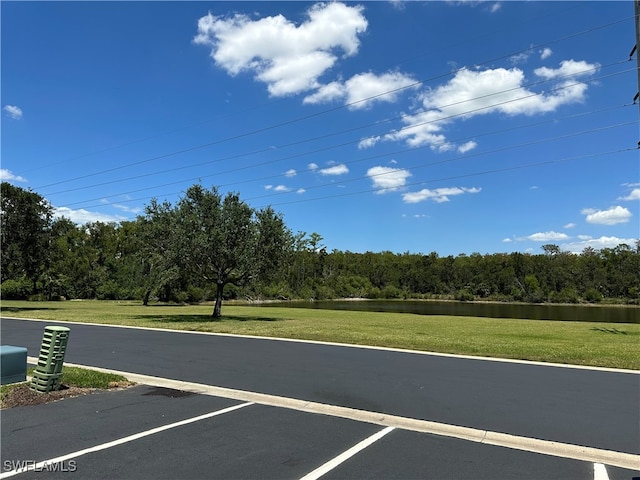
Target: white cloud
364, 89
569, 225
465, 147
82, 216
13, 111
547, 236
312, 166
596, 243
126, 208
368, 142
481, 92
439, 195
289, 58
545, 53
340, 169
8, 176
506, 240
290, 173
388, 179
568, 68
300, 191
277, 188
326, 93
634, 195
520, 57
611, 216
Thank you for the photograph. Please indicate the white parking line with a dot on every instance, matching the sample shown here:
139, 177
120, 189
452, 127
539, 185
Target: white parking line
58, 460
546, 447
600, 472
344, 456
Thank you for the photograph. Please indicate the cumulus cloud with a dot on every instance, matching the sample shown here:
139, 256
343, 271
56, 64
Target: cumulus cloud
388, 179
634, 195
438, 195
277, 188
82, 216
8, 176
547, 236
545, 53
340, 169
289, 58
474, 92
290, 173
364, 89
13, 111
465, 147
569, 225
611, 216
567, 68
312, 166
596, 243
368, 142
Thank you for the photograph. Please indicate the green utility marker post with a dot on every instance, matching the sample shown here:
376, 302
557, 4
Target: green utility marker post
48, 373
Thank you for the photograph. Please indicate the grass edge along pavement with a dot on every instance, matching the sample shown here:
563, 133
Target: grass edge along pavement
75, 381
611, 345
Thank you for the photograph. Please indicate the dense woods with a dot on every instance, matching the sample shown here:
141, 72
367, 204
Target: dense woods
210, 247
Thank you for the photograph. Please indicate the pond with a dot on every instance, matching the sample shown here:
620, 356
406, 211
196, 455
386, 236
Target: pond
579, 313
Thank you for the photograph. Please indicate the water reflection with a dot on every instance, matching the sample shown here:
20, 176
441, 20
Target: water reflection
579, 313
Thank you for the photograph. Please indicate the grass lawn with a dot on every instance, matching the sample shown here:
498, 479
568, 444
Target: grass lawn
582, 343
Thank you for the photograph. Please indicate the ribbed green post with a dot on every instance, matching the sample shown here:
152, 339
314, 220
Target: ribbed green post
48, 373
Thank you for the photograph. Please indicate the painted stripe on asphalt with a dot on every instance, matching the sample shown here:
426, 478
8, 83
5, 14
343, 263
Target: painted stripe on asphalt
348, 345
600, 472
546, 447
43, 465
346, 455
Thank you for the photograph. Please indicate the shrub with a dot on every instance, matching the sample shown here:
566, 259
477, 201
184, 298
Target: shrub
194, 294
464, 295
391, 291
19, 289
567, 295
593, 296
109, 291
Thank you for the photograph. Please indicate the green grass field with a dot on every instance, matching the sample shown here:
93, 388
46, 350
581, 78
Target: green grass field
598, 344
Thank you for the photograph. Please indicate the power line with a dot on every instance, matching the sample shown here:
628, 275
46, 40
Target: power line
407, 127
461, 157
387, 154
466, 156
456, 177
330, 110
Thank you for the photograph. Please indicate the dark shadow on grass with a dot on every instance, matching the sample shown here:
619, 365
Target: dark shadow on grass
24, 309
608, 330
204, 318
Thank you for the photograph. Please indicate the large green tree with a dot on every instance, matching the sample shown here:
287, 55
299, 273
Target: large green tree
25, 222
224, 240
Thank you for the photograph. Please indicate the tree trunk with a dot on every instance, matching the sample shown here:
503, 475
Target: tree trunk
145, 298
217, 309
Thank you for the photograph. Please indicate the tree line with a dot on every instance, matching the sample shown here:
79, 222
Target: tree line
210, 247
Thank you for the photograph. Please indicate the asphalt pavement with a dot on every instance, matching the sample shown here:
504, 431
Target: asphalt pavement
575, 406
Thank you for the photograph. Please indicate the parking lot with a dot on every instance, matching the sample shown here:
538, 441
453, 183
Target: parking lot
155, 432
178, 428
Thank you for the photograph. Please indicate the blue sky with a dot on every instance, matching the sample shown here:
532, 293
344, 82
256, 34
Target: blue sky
454, 127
